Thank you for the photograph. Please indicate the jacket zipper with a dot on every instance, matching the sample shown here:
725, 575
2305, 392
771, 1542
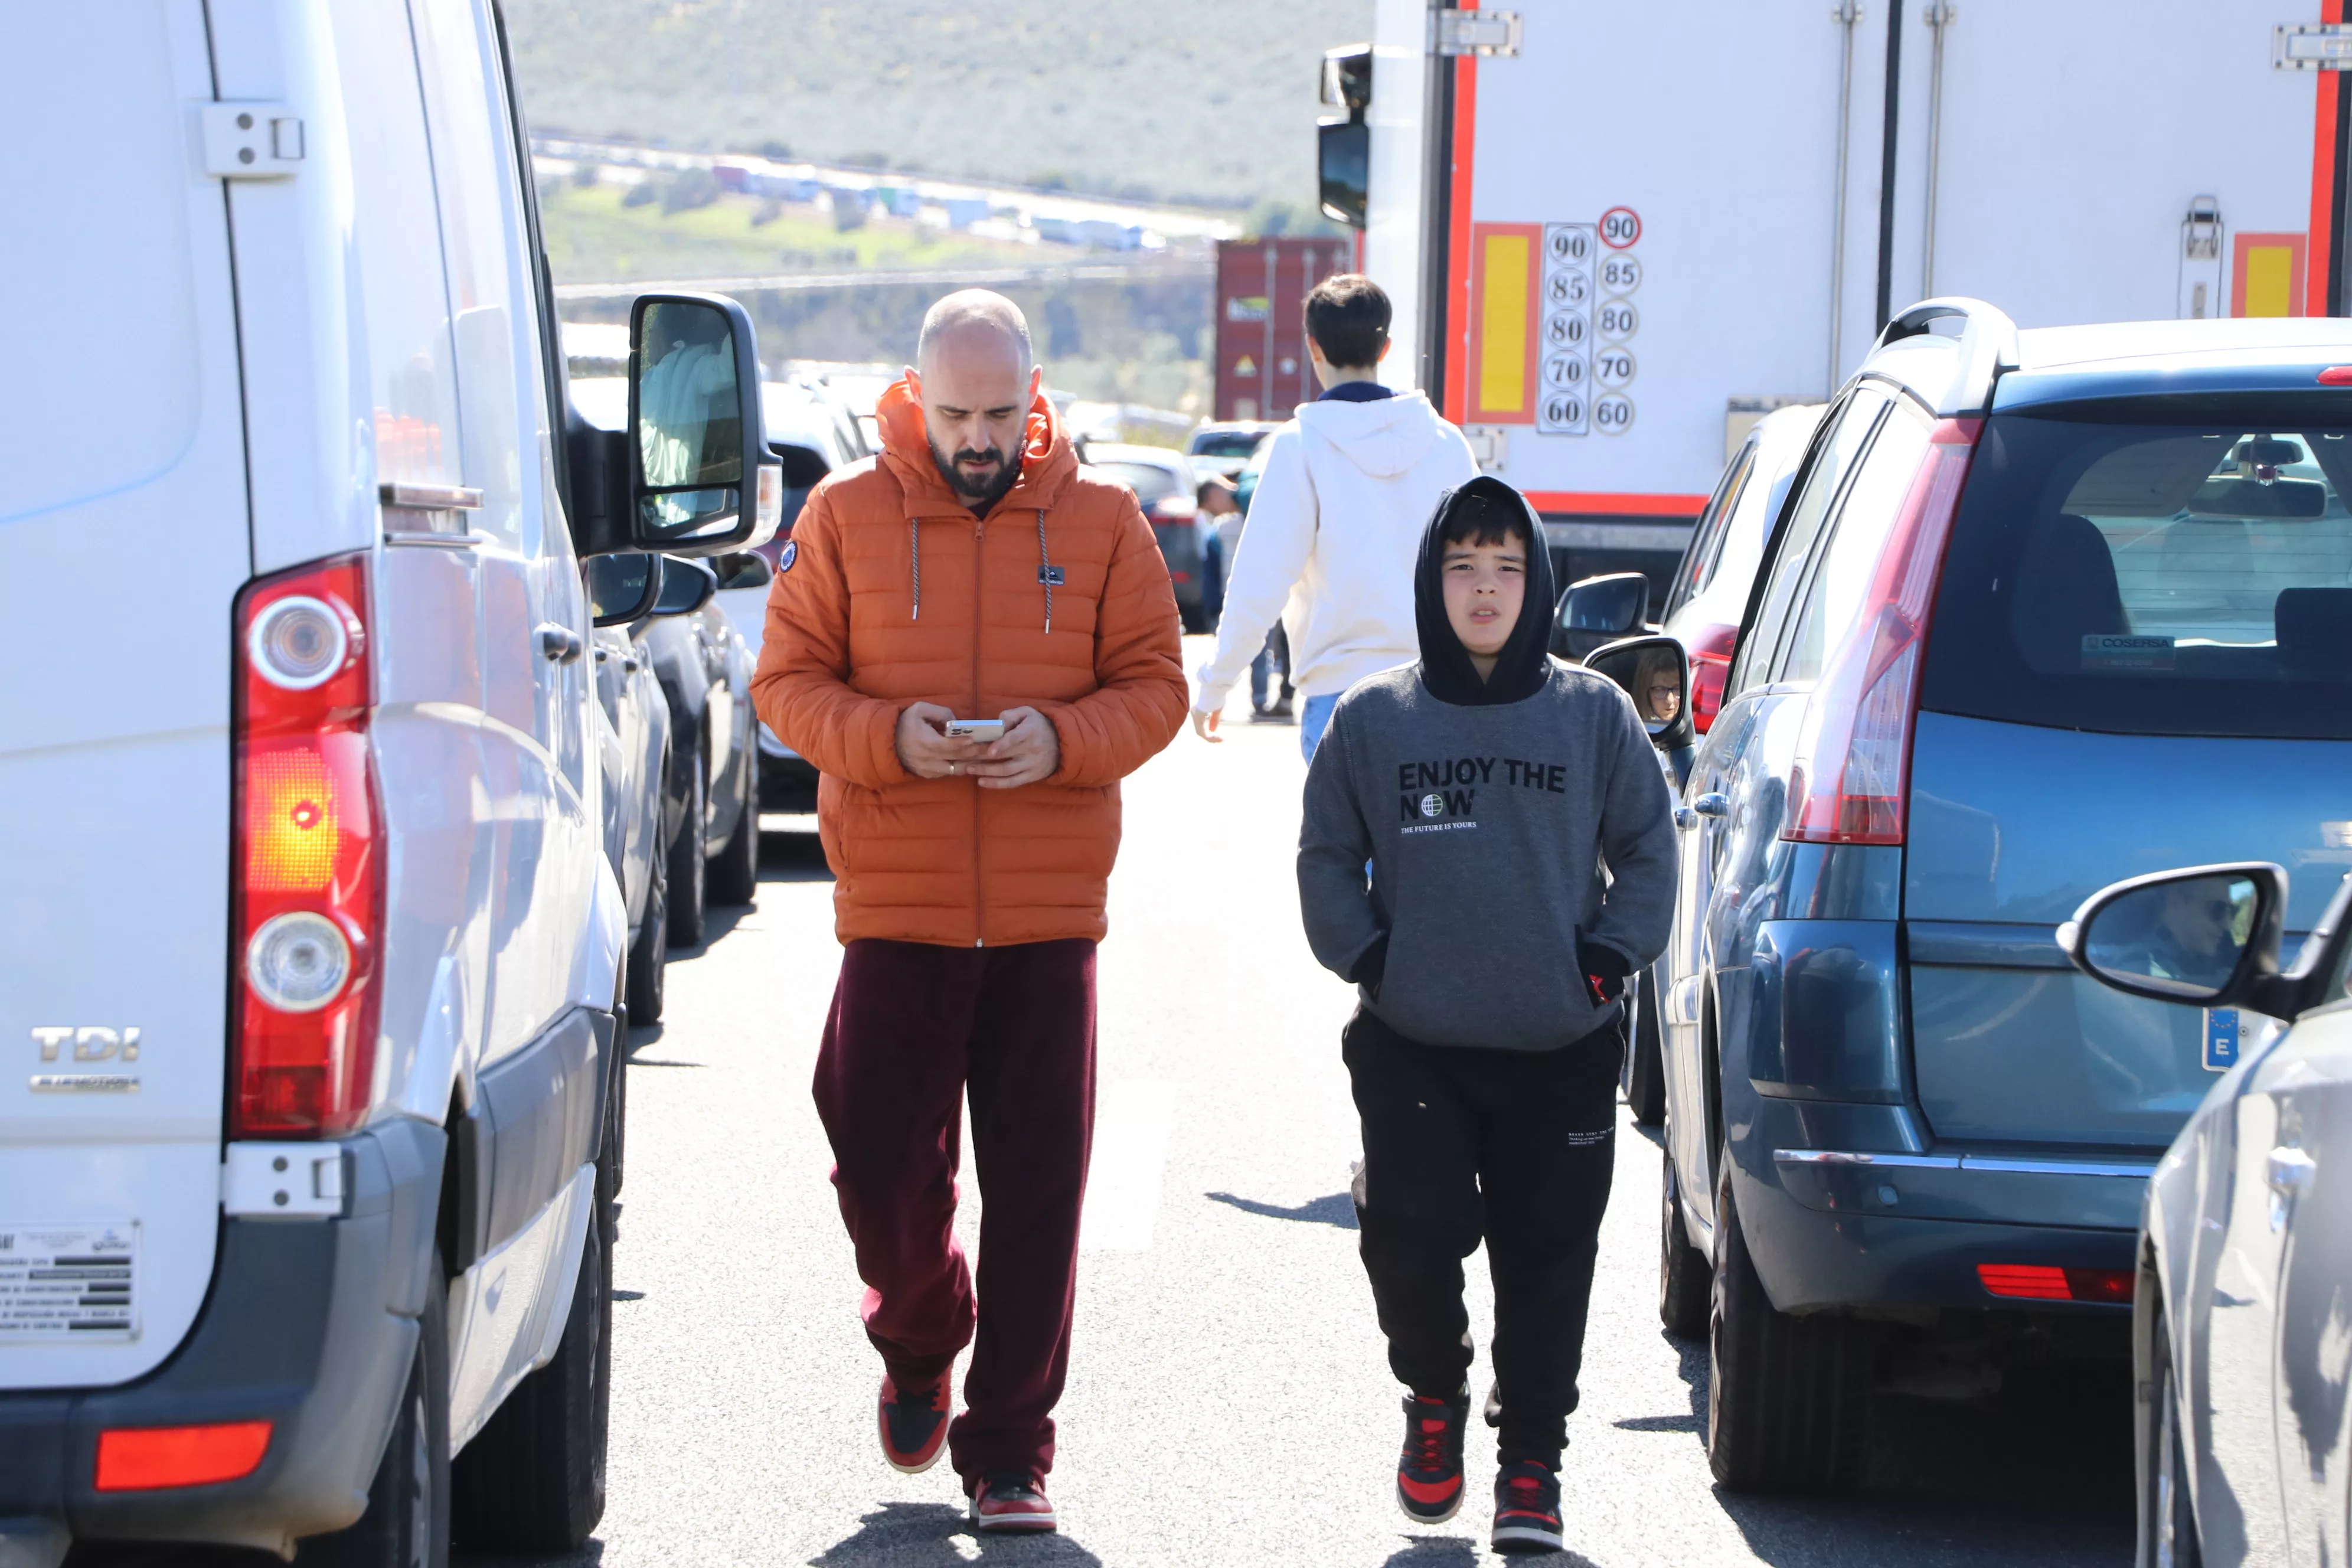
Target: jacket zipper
979, 570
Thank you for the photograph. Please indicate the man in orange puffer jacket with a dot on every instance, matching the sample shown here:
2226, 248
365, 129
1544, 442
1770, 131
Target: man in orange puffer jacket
973, 571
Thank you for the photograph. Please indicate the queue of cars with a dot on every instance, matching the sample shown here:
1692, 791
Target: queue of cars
307, 1169
2030, 612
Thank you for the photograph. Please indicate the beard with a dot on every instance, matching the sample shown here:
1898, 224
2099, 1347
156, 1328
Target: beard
978, 491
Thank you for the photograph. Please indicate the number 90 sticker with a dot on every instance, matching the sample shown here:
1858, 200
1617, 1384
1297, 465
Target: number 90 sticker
1620, 227
1613, 414
1617, 319
1568, 243
1621, 274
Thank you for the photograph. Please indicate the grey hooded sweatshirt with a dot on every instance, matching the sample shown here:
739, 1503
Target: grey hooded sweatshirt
1507, 823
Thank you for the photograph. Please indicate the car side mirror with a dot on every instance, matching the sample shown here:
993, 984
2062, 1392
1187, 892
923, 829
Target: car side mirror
1598, 611
743, 569
2203, 935
685, 586
622, 587
700, 478
1654, 671
1343, 159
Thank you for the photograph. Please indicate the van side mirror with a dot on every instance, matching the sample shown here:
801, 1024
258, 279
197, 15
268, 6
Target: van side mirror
2210, 936
1343, 159
1598, 611
685, 586
743, 569
700, 479
622, 586
1655, 672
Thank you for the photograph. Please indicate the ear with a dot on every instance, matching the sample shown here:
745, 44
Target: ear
1386, 344
1036, 381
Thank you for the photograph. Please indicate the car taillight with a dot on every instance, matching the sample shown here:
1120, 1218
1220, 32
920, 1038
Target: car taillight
1172, 509
2047, 1282
1849, 783
1710, 666
309, 866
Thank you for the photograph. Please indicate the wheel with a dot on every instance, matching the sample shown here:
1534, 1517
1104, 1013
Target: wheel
1645, 1067
1686, 1282
735, 874
533, 1480
2168, 1510
649, 954
1788, 1395
688, 860
406, 1524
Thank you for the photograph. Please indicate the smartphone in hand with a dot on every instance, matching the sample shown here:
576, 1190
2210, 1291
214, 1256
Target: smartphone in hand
982, 729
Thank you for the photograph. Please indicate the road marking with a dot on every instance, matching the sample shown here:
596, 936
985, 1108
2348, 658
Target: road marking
1133, 1121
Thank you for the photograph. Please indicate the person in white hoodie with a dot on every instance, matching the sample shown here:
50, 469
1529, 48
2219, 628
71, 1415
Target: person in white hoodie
1336, 525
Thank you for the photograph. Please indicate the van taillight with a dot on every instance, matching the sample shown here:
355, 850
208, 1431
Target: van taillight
1849, 780
1711, 649
309, 876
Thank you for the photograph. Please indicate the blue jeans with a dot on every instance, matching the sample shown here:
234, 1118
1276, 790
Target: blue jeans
1314, 718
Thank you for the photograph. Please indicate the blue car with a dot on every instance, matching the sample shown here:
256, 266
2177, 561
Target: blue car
2044, 610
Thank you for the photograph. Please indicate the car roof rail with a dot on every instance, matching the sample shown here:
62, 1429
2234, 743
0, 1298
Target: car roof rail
1959, 383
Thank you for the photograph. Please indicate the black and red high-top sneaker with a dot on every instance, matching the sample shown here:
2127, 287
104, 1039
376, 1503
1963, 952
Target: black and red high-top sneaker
1429, 1471
1011, 1504
1527, 1509
914, 1423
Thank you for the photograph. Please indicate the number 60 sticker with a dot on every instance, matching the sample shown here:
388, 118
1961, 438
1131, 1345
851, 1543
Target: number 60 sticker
1613, 414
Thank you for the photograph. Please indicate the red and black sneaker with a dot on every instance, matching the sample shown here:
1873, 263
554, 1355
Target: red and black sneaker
1011, 1504
914, 1423
1429, 1471
1527, 1509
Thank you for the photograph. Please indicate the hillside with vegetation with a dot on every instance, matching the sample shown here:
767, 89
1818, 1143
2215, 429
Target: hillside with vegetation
1210, 102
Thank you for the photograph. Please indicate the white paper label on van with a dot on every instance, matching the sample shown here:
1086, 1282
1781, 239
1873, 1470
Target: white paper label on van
2103, 651
68, 1281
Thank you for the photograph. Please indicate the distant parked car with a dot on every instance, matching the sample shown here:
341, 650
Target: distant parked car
2245, 1244
1225, 448
710, 795
1167, 485
633, 747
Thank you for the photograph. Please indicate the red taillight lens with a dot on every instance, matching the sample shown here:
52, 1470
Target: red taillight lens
310, 875
1710, 666
141, 1458
2046, 1282
2337, 375
1849, 780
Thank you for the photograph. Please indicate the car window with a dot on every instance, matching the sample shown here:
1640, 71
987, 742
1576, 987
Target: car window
1707, 534
1225, 443
2123, 573
1832, 459
1150, 481
1844, 569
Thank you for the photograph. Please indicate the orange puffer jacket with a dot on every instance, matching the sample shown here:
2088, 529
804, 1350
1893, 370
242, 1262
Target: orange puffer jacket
892, 592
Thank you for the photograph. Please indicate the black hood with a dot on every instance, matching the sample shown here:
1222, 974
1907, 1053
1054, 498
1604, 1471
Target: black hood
1523, 666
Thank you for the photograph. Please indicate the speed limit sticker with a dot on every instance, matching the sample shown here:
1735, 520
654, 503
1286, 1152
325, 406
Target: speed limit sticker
1564, 371
1620, 227
1616, 318
1613, 367
1621, 274
1613, 414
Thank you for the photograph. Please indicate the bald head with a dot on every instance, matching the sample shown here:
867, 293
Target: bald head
975, 376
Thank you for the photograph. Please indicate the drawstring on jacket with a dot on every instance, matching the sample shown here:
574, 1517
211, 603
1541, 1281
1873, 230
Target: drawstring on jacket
1047, 573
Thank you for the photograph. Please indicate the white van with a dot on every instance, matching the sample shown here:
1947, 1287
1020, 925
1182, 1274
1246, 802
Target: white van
312, 948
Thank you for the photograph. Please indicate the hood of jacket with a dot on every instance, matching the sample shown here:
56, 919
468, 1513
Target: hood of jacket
1383, 437
1524, 664
1047, 457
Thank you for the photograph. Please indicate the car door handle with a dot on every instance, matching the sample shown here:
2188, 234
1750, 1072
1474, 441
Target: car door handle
1685, 818
602, 655
629, 663
1712, 805
2290, 1171
560, 644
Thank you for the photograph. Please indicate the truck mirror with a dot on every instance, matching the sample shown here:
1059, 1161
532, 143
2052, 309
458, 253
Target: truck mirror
1343, 161
701, 477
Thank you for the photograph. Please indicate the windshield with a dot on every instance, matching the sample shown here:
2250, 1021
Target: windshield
2133, 576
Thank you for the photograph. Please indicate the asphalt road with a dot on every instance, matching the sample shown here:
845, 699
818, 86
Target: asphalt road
1228, 1402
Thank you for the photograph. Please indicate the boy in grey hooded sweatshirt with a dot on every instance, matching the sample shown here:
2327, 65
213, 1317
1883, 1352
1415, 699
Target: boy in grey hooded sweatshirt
1522, 856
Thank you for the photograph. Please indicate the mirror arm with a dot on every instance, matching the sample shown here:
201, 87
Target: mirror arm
599, 486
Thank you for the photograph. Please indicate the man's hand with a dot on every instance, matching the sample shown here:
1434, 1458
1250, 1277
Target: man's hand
927, 751
1205, 726
1028, 752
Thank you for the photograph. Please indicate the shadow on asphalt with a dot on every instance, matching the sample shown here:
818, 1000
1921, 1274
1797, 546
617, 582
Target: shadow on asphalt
1339, 1210
2041, 1473
937, 1535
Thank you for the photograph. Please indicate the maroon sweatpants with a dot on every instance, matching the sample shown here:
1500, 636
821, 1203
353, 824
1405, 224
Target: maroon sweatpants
914, 1031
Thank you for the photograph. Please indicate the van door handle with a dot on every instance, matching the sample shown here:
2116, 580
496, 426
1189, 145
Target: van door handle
1712, 805
1685, 818
560, 644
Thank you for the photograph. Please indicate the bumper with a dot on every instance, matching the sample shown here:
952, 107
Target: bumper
310, 1325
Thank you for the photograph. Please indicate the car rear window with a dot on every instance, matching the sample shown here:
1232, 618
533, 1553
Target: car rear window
2153, 566
1226, 443
1148, 482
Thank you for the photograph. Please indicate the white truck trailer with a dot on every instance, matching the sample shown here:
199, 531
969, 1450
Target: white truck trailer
1616, 235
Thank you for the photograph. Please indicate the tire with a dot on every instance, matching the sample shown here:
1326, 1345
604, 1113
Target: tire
406, 1524
1686, 1280
1789, 1396
1195, 619
735, 874
533, 1480
2168, 1537
649, 954
1645, 1068
688, 860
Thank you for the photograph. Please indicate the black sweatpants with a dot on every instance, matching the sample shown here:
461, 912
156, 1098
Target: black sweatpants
1512, 1147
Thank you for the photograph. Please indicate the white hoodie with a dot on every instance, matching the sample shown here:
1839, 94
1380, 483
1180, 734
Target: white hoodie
1333, 533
